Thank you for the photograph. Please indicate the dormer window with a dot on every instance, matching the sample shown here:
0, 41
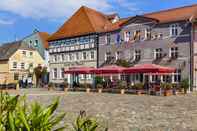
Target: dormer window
148, 34
127, 36
137, 35
174, 30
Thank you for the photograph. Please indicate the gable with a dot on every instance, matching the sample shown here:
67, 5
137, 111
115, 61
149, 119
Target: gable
138, 20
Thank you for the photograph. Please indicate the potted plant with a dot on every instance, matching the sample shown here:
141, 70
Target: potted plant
99, 87
99, 83
50, 86
185, 85
122, 85
88, 87
139, 87
167, 87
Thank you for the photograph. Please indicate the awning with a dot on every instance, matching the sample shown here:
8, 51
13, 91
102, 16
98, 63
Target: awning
111, 69
149, 68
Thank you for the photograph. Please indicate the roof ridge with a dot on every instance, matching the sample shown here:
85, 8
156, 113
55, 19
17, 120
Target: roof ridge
171, 9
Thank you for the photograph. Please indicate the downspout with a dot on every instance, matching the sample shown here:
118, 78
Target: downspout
97, 50
191, 57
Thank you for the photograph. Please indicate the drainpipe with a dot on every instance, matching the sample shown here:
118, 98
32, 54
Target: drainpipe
191, 58
97, 50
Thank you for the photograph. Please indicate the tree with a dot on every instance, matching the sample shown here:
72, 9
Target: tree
38, 73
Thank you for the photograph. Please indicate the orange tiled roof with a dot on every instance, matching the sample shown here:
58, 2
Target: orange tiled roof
44, 37
84, 21
176, 14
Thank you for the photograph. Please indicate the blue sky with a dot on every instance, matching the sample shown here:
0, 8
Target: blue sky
18, 18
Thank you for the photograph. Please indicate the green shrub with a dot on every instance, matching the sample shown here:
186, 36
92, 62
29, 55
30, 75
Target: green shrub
98, 80
139, 85
166, 86
84, 123
16, 115
185, 84
122, 84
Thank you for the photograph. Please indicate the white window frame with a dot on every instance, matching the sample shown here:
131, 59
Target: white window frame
158, 52
92, 55
62, 73
106, 55
176, 50
22, 65
55, 73
84, 55
177, 74
147, 32
137, 53
174, 29
77, 56
14, 66
117, 55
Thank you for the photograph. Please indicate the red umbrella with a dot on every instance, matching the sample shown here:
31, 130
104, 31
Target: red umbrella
111, 69
149, 68
79, 70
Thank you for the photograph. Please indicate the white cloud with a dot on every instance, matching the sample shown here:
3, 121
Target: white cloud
129, 6
6, 22
50, 9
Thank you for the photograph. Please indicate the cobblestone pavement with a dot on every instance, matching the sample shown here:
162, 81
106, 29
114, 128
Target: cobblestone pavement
129, 112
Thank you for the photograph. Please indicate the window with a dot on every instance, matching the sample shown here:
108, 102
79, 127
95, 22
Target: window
14, 66
174, 52
30, 42
107, 56
127, 36
167, 78
89, 76
36, 43
16, 76
63, 57
84, 55
148, 34
108, 39
55, 73
118, 55
158, 53
155, 78
22, 65
77, 56
70, 57
174, 30
55, 58
177, 76
62, 73
137, 55
136, 35
92, 55
24, 53
118, 38
30, 54
31, 65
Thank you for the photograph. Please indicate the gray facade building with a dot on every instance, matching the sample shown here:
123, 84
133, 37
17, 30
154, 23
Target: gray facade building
163, 38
